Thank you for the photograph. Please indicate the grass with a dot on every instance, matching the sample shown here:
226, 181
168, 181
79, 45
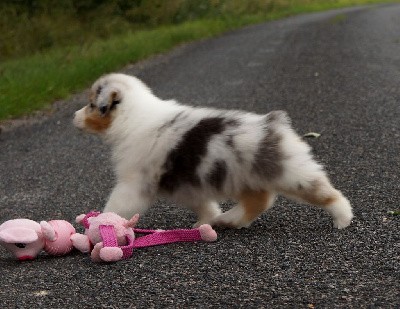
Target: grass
32, 83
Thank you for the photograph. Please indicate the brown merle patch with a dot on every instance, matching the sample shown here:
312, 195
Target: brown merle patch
182, 162
268, 158
218, 174
254, 203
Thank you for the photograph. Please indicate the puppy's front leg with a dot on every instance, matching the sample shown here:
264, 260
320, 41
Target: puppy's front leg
206, 212
129, 198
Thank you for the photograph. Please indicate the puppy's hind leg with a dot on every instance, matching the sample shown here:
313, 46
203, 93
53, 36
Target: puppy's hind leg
305, 180
320, 192
251, 205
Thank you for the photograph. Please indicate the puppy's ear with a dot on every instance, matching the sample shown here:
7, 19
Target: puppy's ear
115, 99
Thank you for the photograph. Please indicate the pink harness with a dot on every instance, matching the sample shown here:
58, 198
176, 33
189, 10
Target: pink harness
153, 238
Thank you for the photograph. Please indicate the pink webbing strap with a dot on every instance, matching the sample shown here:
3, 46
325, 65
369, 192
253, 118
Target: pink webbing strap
167, 237
108, 236
85, 221
128, 249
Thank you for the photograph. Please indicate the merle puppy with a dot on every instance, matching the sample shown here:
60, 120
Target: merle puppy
199, 156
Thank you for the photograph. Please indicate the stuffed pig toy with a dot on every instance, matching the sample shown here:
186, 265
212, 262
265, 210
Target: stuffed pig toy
96, 240
25, 238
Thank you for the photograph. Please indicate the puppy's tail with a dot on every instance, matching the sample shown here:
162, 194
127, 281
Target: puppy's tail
278, 118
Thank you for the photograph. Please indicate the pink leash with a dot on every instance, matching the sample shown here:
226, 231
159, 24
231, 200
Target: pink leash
165, 237
153, 237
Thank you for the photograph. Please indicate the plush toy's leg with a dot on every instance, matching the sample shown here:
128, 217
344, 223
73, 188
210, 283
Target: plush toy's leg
81, 242
95, 254
207, 233
204, 232
111, 254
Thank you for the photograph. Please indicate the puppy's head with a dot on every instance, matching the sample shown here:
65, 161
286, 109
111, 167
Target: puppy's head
105, 97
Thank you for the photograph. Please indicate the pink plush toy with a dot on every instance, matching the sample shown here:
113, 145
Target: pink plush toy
110, 237
25, 238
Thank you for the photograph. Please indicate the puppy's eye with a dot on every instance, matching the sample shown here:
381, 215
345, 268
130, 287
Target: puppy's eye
92, 105
103, 109
114, 103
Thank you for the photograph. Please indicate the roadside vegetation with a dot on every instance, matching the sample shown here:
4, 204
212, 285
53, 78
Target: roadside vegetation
50, 49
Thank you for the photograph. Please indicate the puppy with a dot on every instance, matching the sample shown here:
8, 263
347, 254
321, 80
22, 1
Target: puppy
199, 156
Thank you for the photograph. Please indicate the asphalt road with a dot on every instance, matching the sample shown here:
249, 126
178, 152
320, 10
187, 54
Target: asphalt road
336, 73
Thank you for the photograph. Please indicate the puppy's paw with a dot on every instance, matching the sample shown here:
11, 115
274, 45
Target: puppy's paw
342, 213
233, 218
207, 214
342, 221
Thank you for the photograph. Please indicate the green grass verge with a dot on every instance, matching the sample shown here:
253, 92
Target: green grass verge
32, 83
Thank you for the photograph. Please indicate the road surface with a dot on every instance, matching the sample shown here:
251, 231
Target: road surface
336, 73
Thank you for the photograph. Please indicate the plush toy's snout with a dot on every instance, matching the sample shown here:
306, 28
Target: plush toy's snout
22, 237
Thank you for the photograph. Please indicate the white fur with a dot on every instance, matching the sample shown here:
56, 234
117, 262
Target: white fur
143, 134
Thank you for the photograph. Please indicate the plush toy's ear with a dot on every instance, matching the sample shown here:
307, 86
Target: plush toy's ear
80, 218
48, 231
18, 235
133, 221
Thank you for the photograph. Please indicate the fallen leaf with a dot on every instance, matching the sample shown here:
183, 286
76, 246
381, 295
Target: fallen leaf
312, 134
41, 293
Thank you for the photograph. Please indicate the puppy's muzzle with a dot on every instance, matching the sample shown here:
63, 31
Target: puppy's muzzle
79, 119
